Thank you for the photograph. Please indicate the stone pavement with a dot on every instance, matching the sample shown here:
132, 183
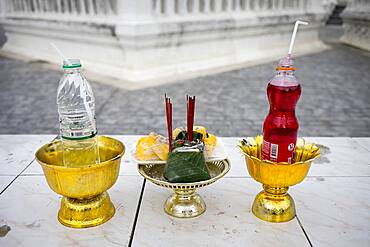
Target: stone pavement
335, 99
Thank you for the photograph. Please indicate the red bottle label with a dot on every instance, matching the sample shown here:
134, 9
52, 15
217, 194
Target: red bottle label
281, 152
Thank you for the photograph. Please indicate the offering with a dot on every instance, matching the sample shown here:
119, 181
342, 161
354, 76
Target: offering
278, 159
304, 151
80, 166
85, 201
155, 148
280, 128
274, 204
190, 158
186, 163
199, 134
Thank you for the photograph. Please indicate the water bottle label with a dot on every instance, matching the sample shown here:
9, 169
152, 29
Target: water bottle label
282, 152
79, 135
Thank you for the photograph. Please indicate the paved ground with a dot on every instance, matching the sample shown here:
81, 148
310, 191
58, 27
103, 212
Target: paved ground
335, 99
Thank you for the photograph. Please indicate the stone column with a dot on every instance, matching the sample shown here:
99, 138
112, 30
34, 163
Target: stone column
2, 9
182, 7
218, 6
195, 6
207, 6
138, 10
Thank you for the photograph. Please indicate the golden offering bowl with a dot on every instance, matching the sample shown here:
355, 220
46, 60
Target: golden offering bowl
274, 204
184, 203
85, 202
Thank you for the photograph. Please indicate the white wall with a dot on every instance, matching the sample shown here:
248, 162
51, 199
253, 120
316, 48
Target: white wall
153, 40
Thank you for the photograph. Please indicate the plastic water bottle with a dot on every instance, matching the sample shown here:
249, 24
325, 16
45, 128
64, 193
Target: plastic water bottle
280, 128
76, 108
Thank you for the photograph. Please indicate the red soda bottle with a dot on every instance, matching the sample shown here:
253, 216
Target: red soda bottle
280, 128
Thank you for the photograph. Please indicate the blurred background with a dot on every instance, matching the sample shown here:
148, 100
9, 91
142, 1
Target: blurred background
222, 51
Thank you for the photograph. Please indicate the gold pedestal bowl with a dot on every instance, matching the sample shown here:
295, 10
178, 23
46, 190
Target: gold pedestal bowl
184, 203
274, 204
85, 202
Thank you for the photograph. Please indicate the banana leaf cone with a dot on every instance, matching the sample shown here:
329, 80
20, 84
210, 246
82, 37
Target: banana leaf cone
186, 165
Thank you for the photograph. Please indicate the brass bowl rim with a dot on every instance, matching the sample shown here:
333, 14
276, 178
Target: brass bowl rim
95, 166
193, 184
279, 163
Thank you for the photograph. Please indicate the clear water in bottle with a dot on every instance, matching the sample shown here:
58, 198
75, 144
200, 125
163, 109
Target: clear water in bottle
76, 108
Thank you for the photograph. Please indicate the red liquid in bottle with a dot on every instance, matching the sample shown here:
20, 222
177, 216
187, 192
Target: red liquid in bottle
280, 128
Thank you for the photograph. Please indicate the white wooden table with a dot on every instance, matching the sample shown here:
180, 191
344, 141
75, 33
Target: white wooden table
333, 203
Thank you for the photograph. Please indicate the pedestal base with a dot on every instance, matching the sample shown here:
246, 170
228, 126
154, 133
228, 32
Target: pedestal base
185, 204
82, 213
274, 205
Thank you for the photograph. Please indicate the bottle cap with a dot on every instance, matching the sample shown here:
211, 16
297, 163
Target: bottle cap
71, 63
285, 64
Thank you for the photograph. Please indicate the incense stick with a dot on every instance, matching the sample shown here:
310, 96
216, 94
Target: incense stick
169, 121
190, 116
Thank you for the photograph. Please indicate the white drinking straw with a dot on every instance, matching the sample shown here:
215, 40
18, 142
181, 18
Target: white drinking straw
58, 51
294, 34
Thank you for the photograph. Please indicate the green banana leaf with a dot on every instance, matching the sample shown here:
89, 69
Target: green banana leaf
186, 167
